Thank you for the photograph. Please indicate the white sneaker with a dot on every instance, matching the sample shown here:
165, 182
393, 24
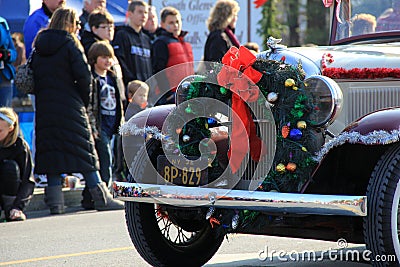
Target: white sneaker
40, 180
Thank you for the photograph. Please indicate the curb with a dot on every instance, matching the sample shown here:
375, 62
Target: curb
72, 198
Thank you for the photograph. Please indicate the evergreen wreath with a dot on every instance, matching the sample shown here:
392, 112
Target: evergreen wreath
291, 104
293, 161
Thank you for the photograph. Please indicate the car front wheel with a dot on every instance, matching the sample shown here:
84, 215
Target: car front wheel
164, 235
382, 225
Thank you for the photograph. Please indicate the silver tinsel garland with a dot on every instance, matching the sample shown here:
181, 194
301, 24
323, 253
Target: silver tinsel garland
129, 128
374, 138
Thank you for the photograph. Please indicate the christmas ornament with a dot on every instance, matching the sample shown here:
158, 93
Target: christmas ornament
210, 212
209, 161
186, 138
280, 168
272, 97
285, 131
185, 85
235, 221
291, 166
211, 121
188, 110
295, 134
301, 125
289, 82
223, 90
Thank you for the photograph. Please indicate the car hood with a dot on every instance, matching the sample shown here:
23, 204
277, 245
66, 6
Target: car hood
354, 56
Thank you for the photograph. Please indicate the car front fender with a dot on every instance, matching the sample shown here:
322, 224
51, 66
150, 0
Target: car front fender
382, 120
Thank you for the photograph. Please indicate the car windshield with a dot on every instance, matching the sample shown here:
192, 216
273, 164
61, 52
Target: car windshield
356, 19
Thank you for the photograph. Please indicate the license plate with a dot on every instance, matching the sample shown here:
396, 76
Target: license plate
182, 171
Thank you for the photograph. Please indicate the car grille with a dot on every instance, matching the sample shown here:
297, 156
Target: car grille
255, 172
361, 98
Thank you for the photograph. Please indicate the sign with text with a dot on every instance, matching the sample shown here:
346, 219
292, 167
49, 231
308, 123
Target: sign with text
195, 14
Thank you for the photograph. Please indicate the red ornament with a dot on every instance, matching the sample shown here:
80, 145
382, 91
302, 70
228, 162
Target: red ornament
291, 166
285, 131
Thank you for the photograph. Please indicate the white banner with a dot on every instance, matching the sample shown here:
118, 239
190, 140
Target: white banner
194, 16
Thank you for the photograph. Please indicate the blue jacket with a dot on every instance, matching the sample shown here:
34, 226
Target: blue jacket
7, 43
36, 21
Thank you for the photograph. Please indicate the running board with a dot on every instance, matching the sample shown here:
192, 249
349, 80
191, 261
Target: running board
274, 202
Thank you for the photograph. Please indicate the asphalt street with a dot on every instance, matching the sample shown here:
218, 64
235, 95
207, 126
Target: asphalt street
90, 238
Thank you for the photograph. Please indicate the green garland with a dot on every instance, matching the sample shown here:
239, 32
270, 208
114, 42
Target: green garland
293, 161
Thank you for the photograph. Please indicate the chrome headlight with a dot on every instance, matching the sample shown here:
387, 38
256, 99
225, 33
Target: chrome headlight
327, 99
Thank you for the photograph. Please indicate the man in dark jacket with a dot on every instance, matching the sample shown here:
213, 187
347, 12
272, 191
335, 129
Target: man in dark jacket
88, 7
132, 47
170, 49
151, 24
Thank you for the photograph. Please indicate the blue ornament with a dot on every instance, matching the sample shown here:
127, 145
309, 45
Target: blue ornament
295, 134
211, 121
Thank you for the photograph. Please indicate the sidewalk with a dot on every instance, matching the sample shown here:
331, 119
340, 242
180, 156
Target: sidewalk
72, 198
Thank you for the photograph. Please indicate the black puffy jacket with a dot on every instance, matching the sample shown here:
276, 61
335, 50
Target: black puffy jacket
20, 153
64, 141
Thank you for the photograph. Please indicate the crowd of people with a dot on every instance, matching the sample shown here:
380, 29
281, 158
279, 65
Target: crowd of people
89, 77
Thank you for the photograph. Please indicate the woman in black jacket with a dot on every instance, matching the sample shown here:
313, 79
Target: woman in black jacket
64, 141
16, 177
221, 24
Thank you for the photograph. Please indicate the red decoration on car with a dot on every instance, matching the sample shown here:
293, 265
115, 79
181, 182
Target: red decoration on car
240, 77
327, 58
361, 73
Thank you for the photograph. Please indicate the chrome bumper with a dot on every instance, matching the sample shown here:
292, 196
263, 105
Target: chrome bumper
274, 202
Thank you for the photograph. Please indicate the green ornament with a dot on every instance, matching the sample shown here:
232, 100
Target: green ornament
223, 90
188, 110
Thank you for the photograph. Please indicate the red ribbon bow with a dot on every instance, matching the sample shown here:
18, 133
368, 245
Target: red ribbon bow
238, 69
240, 77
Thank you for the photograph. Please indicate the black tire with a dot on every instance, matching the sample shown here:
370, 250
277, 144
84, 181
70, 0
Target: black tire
381, 226
151, 231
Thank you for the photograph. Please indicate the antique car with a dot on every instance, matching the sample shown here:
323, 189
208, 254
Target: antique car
295, 141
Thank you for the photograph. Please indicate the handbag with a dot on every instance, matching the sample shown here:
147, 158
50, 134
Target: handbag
24, 77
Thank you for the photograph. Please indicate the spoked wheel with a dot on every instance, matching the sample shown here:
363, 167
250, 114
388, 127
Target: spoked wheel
382, 224
163, 243
166, 236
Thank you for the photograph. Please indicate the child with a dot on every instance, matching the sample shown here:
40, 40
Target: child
138, 92
106, 104
16, 177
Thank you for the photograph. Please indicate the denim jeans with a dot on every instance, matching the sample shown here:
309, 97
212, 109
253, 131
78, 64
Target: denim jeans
6, 92
103, 148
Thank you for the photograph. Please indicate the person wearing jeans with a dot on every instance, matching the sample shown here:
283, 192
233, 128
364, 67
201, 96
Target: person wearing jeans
64, 139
